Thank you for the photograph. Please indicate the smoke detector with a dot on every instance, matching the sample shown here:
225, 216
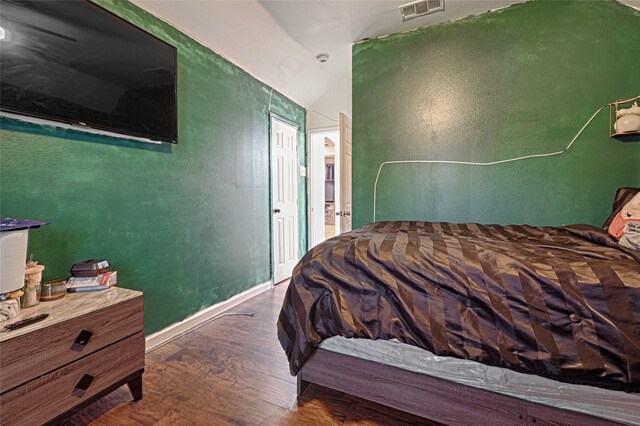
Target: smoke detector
420, 8
322, 57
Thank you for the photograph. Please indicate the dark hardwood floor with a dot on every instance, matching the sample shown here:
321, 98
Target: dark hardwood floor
232, 371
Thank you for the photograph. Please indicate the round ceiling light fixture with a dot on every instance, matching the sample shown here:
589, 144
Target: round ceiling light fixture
322, 58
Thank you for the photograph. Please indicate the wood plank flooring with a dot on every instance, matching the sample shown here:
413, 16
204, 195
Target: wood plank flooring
232, 371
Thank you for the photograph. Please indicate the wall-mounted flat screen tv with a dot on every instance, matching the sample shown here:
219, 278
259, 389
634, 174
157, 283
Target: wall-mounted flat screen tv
75, 63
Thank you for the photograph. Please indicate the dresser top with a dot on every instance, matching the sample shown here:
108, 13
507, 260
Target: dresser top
70, 306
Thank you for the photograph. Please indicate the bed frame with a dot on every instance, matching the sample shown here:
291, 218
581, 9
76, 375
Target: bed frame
430, 397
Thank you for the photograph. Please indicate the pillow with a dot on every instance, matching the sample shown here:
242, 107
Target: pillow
629, 213
623, 196
631, 236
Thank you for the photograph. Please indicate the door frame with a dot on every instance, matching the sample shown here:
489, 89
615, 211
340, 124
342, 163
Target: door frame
311, 177
274, 116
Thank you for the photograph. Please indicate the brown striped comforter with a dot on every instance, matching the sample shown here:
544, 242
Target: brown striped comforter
563, 302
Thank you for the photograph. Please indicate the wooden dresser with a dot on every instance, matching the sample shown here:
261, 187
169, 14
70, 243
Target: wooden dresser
91, 344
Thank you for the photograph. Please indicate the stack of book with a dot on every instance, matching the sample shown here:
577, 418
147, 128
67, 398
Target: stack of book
99, 282
91, 275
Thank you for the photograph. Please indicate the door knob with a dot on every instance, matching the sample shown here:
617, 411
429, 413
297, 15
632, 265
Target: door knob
338, 213
276, 210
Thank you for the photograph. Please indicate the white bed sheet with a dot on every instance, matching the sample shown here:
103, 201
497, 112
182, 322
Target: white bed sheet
612, 405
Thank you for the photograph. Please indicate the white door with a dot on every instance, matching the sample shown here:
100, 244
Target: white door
344, 208
284, 194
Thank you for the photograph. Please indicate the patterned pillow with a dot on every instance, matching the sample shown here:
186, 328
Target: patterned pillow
623, 196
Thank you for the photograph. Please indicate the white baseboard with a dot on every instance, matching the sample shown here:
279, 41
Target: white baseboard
188, 324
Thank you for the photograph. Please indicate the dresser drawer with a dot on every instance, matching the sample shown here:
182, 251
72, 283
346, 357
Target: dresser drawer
55, 393
31, 355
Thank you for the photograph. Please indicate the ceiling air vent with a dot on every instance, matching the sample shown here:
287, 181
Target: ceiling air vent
420, 8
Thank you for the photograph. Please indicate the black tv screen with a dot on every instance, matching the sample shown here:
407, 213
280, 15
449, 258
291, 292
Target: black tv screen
74, 62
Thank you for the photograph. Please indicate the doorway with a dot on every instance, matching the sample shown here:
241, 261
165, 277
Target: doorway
324, 185
284, 198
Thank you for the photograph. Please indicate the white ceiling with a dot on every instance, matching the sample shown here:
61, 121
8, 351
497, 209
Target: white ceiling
277, 40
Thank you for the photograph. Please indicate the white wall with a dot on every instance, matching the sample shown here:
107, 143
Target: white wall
324, 111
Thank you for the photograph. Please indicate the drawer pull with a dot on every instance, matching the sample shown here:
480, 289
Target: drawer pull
85, 382
83, 338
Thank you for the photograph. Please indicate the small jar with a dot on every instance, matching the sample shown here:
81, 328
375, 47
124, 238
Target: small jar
32, 278
53, 290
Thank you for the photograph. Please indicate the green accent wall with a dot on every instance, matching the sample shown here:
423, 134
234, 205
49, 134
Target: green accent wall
518, 81
188, 224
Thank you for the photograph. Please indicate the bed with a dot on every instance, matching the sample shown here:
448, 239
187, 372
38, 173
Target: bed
560, 304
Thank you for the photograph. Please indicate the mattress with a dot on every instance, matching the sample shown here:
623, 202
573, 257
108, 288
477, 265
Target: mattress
558, 302
612, 405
